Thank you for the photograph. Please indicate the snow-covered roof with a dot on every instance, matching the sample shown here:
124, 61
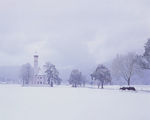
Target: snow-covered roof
41, 72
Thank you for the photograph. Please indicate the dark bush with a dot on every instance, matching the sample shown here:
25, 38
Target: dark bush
128, 88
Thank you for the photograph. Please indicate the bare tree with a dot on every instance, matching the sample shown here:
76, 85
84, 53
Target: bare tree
26, 74
52, 74
125, 66
101, 75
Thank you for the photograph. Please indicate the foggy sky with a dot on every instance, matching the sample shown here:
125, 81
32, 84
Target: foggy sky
71, 33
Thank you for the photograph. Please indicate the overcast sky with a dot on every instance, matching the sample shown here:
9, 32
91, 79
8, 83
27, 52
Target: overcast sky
71, 33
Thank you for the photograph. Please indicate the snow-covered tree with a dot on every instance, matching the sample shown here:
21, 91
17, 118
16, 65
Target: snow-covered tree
147, 49
101, 75
75, 78
125, 66
26, 74
145, 59
143, 62
52, 74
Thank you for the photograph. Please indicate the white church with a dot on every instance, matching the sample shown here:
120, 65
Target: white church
39, 77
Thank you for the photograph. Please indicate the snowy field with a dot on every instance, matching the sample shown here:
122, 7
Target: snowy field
66, 103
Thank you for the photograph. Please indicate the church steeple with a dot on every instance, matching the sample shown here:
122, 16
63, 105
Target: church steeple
36, 63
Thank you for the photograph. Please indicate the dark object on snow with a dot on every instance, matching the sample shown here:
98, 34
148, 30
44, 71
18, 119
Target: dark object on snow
128, 88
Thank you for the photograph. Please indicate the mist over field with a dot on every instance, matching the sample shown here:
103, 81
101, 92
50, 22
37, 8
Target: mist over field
71, 34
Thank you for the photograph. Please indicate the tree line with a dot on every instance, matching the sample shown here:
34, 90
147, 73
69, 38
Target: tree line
123, 67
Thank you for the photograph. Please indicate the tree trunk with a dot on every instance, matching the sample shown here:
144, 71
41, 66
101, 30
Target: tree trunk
128, 81
51, 84
48, 81
75, 85
102, 85
98, 84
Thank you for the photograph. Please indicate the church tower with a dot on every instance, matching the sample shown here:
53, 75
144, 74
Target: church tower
36, 64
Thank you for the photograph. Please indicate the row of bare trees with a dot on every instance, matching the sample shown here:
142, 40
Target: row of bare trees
123, 67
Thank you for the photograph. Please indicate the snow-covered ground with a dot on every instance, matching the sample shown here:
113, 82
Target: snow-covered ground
66, 103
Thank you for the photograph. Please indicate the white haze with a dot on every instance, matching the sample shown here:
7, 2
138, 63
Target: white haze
71, 33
